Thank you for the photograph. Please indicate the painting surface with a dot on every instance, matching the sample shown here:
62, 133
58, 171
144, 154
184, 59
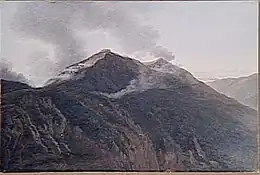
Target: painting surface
129, 86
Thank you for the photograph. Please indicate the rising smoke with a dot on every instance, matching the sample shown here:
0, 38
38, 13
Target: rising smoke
7, 73
56, 23
51, 24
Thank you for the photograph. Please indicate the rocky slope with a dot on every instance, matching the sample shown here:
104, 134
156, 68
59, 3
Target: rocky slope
243, 89
115, 113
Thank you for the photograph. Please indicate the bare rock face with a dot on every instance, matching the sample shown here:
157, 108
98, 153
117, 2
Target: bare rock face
78, 123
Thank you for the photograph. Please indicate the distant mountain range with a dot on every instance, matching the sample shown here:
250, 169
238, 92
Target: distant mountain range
114, 113
243, 89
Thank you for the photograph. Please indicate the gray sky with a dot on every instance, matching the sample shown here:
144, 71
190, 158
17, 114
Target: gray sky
209, 39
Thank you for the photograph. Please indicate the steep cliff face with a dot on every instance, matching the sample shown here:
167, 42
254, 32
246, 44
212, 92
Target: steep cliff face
119, 114
53, 130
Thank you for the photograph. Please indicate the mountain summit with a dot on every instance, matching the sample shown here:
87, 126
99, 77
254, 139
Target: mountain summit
100, 72
110, 112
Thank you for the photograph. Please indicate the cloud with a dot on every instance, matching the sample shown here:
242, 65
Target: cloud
7, 73
57, 24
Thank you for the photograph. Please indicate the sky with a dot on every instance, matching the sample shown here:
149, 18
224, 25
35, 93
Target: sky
209, 39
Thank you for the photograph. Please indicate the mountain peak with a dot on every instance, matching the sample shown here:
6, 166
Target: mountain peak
106, 51
159, 61
108, 62
90, 61
162, 65
75, 68
104, 59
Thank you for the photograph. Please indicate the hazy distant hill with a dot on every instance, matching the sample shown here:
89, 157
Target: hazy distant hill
243, 89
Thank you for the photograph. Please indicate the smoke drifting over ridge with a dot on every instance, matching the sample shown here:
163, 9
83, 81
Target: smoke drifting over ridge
123, 25
54, 23
50, 24
7, 73
57, 23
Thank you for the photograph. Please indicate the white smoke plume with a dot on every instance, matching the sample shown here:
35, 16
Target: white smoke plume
56, 23
7, 73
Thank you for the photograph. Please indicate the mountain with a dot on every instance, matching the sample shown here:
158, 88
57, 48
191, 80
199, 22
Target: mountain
243, 89
110, 112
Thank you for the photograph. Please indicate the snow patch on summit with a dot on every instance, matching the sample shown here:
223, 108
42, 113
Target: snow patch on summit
145, 81
153, 78
162, 65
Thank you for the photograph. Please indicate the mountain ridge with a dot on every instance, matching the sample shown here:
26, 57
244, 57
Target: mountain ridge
161, 122
244, 89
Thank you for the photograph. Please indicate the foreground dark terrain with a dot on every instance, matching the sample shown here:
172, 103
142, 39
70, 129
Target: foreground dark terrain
119, 114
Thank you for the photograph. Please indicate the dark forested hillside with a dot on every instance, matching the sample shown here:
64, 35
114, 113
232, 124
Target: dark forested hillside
119, 114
